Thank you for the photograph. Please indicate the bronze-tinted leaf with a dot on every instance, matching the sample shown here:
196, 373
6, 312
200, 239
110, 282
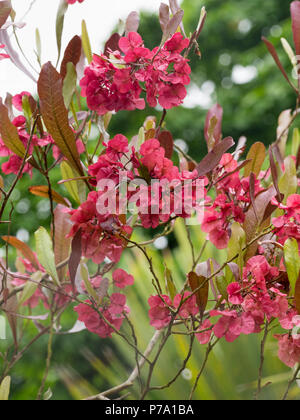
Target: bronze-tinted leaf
196, 282
43, 191
214, 157
112, 44
295, 13
55, 115
9, 133
5, 9
274, 54
72, 55
166, 141
75, 257
21, 246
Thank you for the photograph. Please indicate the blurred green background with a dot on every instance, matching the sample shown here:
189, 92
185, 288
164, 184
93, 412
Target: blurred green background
236, 71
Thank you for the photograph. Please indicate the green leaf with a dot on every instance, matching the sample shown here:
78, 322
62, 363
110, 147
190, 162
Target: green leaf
83, 272
45, 253
62, 247
257, 154
38, 46
297, 295
235, 247
5, 388
86, 43
30, 287
69, 85
288, 183
295, 142
292, 262
222, 285
60, 19
72, 186
2, 328
170, 286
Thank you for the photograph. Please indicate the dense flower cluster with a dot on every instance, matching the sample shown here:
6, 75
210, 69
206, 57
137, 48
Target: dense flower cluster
233, 198
260, 297
98, 322
136, 184
116, 82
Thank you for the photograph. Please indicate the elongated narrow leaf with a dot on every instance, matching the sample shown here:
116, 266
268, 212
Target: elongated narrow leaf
290, 53
295, 13
170, 286
254, 218
5, 389
292, 262
72, 186
214, 157
5, 9
60, 19
14, 56
1, 186
288, 183
257, 155
236, 245
30, 287
70, 83
21, 246
9, 133
195, 282
43, 191
2, 328
173, 25
72, 55
38, 46
274, 54
75, 257
297, 295
164, 16
55, 115
62, 247
86, 44
45, 253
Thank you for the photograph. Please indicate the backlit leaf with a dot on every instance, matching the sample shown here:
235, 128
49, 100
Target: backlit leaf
43, 191
292, 262
5, 389
257, 154
45, 253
